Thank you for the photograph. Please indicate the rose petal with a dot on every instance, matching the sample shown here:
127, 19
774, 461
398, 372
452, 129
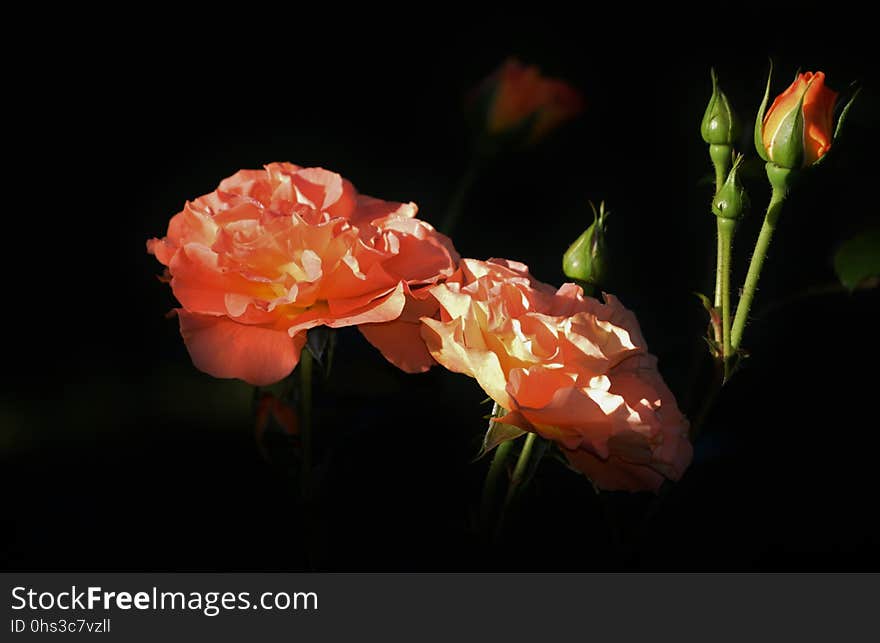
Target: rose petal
224, 348
400, 341
326, 191
613, 474
202, 286
362, 311
444, 342
818, 119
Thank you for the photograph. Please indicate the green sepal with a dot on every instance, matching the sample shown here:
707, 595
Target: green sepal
321, 343
788, 141
497, 433
715, 349
843, 114
759, 120
707, 303
839, 127
713, 336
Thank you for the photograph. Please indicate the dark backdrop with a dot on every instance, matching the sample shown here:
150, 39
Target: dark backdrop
115, 453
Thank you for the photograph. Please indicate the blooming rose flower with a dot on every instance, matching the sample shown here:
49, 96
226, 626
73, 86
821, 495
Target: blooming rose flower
520, 92
792, 146
567, 367
274, 252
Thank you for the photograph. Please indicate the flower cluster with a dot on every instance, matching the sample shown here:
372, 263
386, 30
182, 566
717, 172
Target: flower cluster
274, 252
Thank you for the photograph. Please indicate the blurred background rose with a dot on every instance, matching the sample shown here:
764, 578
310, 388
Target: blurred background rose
520, 102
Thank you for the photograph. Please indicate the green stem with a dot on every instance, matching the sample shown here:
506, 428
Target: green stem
767, 229
490, 486
726, 229
720, 155
721, 170
718, 253
519, 470
305, 428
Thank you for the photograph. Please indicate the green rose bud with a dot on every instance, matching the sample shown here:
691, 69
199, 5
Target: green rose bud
731, 201
720, 126
586, 258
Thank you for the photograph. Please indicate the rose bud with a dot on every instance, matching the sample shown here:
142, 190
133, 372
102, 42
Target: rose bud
720, 125
731, 201
273, 413
517, 101
276, 429
798, 129
585, 261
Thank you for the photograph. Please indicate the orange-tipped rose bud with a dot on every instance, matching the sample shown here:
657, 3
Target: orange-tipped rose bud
798, 129
520, 101
273, 414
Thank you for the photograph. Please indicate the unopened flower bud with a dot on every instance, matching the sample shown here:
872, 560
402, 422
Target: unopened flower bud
799, 127
719, 126
586, 258
519, 103
731, 201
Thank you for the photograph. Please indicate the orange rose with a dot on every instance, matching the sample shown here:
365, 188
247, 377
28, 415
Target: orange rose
794, 143
569, 368
274, 252
520, 92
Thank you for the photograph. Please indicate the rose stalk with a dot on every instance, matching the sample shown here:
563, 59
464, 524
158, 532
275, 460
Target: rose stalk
492, 482
719, 130
728, 207
794, 135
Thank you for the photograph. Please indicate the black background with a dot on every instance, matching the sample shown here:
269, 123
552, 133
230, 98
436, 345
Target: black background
115, 453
